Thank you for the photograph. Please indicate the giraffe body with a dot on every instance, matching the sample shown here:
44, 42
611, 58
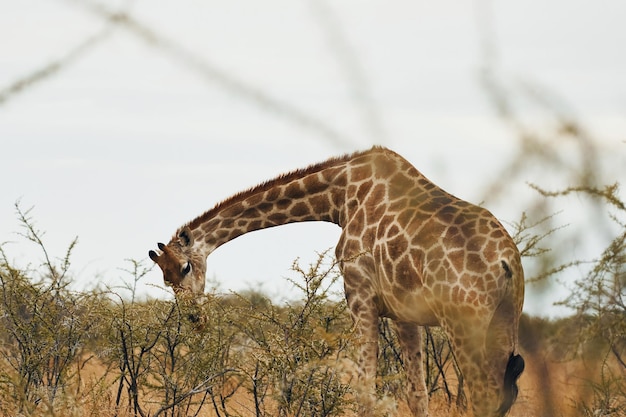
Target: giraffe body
408, 251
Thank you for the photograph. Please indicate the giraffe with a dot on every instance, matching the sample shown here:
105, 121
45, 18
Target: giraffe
408, 251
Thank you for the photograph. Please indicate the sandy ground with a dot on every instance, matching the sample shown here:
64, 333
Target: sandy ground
547, 389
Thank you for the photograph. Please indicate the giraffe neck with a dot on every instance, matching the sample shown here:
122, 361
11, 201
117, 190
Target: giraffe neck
316, 193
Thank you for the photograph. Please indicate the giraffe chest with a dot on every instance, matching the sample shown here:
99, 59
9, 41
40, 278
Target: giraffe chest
400, 282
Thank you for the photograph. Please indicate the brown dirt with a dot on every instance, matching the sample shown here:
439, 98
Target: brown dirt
547, 388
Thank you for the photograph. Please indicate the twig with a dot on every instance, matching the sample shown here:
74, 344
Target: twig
198, 389
52, 68
211, 72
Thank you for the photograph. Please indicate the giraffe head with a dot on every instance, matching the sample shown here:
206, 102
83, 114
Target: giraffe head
183, 268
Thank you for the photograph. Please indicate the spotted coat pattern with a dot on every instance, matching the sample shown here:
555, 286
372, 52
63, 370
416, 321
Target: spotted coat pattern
408, 251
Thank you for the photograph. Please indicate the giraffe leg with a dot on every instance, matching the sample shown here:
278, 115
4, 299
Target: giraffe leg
410, 337
365, 317
468, 339
489, 361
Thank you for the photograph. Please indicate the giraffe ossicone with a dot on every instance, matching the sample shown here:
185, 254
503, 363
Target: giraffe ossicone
408, 251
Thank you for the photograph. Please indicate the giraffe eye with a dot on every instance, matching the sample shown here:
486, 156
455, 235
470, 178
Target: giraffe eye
186, 269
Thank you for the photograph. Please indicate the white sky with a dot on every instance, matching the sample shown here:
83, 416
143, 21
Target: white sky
128, 142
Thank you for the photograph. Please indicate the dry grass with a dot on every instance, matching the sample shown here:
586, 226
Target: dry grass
105, 355
547, 388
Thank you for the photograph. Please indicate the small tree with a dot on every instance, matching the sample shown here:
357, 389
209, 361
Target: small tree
599, 302
296, 350
45, 325
167, 365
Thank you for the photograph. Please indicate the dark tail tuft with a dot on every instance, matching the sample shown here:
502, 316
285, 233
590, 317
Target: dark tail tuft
514, 368
507, 270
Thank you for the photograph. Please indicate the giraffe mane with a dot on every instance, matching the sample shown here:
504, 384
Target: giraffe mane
280, 180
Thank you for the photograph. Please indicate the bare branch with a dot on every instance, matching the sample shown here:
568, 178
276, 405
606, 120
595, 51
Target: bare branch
211, 72
41, 74
353, 72
198, 389
608, 193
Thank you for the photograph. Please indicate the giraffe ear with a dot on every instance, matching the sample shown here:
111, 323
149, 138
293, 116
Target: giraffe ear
153, 255
185, 237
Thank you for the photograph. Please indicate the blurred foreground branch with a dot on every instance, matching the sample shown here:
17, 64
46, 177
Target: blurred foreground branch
211, 72
52, 68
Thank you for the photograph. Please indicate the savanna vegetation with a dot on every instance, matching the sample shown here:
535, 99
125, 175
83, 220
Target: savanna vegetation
98, 353
112, 352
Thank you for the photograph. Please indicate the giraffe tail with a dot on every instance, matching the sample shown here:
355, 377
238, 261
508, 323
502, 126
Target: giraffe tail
514, 368
510, 311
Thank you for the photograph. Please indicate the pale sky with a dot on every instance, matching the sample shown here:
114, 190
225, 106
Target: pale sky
153, 122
